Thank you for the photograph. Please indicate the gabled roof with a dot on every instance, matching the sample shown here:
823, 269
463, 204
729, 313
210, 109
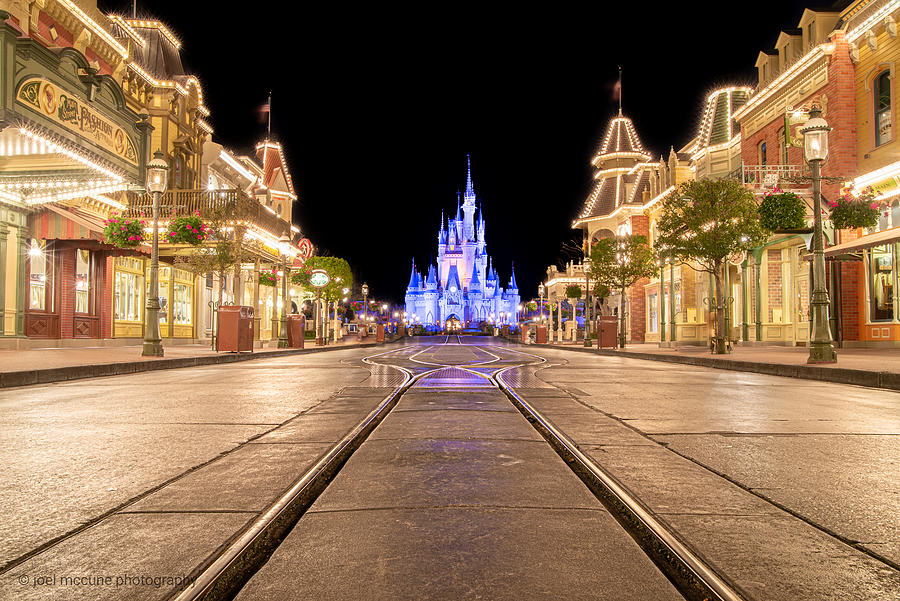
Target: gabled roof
474, 283
453, 278
275, 171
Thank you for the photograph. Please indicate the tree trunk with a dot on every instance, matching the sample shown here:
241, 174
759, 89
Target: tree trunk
221, 287
236, 285
622, 333
719, 347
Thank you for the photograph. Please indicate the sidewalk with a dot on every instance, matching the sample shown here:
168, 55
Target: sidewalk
44, 365
872, 367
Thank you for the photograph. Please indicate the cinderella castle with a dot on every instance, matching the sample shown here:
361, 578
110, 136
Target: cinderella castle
464, 288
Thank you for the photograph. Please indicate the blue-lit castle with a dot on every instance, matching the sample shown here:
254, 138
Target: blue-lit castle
464, 288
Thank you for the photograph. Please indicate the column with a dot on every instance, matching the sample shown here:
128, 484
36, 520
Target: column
550, 325
726, 297
745, 309
21, 284
4, 233
758, 301
559, 331
661, 305
256, 313
170, 307
672, 299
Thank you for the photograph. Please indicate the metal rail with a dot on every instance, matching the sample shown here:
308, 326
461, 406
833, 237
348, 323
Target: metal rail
231, 569
693, 576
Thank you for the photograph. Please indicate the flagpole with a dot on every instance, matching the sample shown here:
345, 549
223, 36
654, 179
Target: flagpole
269, 128
620, 90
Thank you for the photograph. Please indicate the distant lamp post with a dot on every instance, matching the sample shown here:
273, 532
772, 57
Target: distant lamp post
284, 248
365, 293
157, 182
541, 302
815, 148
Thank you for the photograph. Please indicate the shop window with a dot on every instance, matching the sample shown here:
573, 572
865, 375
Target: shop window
129, 283
883, 132
881, 294
40, 278
761, 152
182, 297
652, 313
82, 281
895, 213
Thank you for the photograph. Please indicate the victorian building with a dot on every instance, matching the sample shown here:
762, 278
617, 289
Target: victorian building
463, 288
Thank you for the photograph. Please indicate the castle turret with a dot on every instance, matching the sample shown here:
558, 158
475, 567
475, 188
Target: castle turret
512, 281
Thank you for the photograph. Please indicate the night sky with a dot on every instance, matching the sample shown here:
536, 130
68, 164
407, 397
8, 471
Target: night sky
377, 108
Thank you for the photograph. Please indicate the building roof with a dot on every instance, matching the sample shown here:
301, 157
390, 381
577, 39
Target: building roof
620, 139
160, 54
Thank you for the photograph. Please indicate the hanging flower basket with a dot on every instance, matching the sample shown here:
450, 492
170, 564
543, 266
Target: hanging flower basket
268, 278
531, 306
123, 232
848, 212
187, 230
573, 291
300, 277
782, 211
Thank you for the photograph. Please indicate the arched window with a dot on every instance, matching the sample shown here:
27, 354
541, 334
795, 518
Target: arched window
761, 150
883, 108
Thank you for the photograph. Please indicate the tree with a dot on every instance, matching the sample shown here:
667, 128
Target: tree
704, 223
618, 264
227, 223
340, 276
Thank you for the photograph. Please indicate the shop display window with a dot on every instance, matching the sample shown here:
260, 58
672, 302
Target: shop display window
40, 278
881, 293
82, 281
652, 313
129, 282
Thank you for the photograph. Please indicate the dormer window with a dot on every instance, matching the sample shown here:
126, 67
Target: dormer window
810, 35
882, 87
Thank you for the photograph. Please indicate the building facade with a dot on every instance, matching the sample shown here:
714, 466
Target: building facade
463, 288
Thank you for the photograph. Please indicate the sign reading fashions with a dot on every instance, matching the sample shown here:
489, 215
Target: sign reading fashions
56, 103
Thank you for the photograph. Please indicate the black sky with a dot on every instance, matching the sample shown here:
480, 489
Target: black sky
377, 108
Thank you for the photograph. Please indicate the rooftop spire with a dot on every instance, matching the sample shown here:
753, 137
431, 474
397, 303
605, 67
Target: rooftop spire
470, 188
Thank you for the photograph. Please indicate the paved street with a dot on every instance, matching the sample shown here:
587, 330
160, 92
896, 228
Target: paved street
787, 488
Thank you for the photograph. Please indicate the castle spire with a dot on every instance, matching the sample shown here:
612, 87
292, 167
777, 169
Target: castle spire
413, 280
512, 279
470, 188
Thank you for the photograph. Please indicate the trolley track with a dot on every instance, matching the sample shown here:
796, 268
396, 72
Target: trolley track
236, 564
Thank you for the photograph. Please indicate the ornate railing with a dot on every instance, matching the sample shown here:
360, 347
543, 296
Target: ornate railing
769, 176
207, 202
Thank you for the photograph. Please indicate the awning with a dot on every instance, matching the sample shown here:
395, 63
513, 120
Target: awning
876, 239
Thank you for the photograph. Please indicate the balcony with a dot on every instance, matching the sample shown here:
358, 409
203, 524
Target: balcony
206, 202
767, 177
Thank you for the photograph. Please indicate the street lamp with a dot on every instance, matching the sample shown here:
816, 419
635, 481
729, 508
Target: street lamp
815, 148
588, 305
284, 248
365, 293
541, 302
157, 182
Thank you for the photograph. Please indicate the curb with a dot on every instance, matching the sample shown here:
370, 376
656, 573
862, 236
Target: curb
79, 372
838, 375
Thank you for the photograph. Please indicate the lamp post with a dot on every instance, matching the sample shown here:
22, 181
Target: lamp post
318, 279
815, 148
540, 306
157, 182
586, 263
365, 293
284, 247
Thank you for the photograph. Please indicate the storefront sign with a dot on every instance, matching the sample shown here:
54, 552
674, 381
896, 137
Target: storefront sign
56, 103
319, 278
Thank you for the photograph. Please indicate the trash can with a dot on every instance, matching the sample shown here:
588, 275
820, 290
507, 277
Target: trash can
607, 331
524, 334
541, 335
296, 330
235, 329
379, 333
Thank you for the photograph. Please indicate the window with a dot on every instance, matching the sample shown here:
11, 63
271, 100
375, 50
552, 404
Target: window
128, 286
811, 35
762, 152
82, 281
782, 147
652, 313
881, 297
39, 283
883, 108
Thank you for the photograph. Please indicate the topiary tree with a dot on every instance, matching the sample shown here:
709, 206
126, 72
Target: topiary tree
618, 264
703, 223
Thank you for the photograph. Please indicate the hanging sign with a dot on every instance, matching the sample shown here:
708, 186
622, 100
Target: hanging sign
57, 104
305, 246
319, 278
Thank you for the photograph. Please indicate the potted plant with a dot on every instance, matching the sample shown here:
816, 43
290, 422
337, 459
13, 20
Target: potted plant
123, 232
187, 230
268, 278
783, 211
848, 212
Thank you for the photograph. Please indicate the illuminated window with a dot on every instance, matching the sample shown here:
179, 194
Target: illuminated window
881, 294
129, 284
82, 281
39, 283
883, 108
761, 152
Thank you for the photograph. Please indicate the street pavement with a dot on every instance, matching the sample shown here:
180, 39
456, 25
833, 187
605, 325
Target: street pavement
786, 487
